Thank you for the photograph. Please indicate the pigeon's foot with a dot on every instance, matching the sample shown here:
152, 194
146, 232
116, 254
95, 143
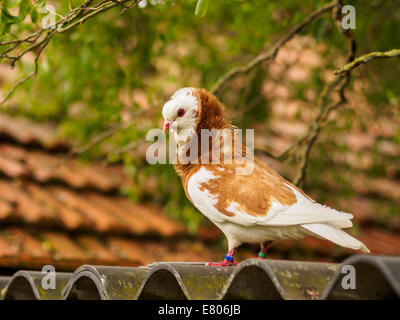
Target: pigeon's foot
224, 263
228, 261
262, 255
264, 248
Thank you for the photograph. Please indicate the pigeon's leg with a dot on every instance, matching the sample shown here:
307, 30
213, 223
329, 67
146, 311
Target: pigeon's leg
264, 248
228, 261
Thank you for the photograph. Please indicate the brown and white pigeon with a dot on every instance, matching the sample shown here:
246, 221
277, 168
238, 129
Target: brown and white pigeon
256, 207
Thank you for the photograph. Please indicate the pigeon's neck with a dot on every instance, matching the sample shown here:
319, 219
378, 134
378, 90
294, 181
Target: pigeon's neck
211, 114
198, 145
210, 147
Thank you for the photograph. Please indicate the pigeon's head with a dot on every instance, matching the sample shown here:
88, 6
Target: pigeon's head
181, 111
189, 110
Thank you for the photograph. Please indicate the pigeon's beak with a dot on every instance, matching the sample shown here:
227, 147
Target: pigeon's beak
166, 125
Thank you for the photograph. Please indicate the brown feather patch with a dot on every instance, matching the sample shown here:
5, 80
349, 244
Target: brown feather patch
253, 194
211, 112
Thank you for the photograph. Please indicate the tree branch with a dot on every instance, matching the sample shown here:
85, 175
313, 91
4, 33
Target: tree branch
272, 50
107, 134
324, 107
40, 47
303, 146
394, 53
37, 43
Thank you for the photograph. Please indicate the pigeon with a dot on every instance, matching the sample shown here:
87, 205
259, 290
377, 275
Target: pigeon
255, 206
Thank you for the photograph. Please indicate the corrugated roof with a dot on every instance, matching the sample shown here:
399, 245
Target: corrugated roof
377, 277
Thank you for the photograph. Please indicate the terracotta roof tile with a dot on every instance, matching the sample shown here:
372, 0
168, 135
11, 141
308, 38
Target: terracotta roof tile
95, 178
377, 240
13, 152
43, 167
380, 186
21, 248
380, 241
11, 167
27, 244
63, 247
68, 217
130, 250
157, 222
76, 216
26, 208
310, 244
102, 219
361, 207
7, 249
95, 249
136, 224
28, 132
208, 233
5, 209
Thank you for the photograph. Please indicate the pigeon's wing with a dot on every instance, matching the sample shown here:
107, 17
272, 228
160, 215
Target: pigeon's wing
262, 197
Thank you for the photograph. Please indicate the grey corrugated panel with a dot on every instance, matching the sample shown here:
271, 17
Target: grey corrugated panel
377, 277
3, 283
184, 281
27, 285
278, 279
106, 283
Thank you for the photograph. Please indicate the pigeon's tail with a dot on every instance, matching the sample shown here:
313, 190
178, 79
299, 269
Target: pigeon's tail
335, 235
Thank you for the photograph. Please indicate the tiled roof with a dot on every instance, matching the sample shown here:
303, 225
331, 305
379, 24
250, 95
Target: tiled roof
61, 211
26, 132
354, 166
377, 277
55, 209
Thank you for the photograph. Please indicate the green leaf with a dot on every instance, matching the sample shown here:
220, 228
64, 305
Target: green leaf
6, 18
40, 3
201, 8
34, 15
24, 9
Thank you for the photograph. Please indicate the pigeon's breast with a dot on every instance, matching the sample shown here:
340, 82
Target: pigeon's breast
201, 197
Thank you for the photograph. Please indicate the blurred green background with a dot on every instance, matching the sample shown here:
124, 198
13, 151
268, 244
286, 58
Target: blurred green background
103, 72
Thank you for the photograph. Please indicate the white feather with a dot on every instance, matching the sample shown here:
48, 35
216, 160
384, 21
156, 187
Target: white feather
203, 199
306, 211
303, 211
335, 235
182, 128
183, 97
296, 221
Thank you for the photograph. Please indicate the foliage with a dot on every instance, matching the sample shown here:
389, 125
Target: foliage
101, 73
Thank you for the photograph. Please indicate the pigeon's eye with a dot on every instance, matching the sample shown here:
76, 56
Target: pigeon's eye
180, 112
